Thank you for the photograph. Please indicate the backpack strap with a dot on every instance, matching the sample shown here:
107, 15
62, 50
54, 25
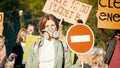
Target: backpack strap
37, 43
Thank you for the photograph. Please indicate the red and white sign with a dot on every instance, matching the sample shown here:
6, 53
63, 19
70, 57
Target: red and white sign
69, 10
80, 38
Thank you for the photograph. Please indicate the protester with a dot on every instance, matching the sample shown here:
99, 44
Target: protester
2, 52
113, 51
112, 48
30, 29
18, 49
47, 52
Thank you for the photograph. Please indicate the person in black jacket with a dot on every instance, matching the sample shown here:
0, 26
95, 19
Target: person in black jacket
18, 49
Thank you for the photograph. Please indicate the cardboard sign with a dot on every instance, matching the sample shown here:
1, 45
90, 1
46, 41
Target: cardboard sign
1, 18
1, 23
109, 16
69, 10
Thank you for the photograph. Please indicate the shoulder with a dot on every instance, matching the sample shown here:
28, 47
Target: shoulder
58, 42
35, 45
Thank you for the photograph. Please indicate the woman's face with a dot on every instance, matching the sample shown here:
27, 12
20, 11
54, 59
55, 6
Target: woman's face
23, 36
30, 29
51, 24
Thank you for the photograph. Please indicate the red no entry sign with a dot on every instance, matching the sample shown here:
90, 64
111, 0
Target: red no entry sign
80, 38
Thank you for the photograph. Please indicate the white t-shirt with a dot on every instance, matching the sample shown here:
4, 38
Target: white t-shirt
47, 54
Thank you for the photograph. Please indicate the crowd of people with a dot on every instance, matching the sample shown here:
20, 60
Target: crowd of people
48, 51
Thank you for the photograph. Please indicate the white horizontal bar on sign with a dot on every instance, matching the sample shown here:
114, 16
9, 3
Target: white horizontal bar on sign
80, 38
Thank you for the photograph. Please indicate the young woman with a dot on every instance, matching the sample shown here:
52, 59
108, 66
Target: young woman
48, 51
18, 49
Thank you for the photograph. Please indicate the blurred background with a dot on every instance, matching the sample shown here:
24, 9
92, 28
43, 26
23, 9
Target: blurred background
32, 13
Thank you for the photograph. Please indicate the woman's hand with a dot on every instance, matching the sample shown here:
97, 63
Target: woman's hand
14, 55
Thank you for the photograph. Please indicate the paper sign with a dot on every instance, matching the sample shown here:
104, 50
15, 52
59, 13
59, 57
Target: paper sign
1, 18
1, 23
109, 16
30, 40
69, 10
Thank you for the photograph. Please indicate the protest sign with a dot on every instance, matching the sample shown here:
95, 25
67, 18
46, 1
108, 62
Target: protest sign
109, 16
1, 23
30, 40
69, 10
1, 18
